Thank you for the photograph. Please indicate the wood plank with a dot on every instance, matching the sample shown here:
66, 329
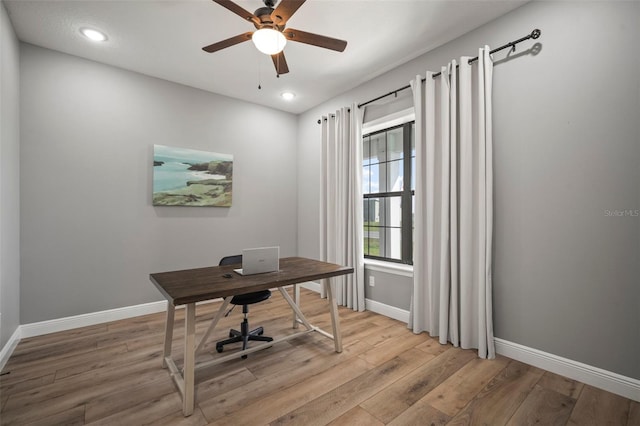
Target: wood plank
46, 366
501, 397
217, 383
634, 414
293, 356
561, 384
543, 407
122, 399
25, 384
433, 346
24, 407
598, 407
144, 413
396, 398
71, 417
376, 335
420, 414
30, 344
393, 347
343, 398
296, 395
460, 388
231, 403
356, 417
50, 352
97, 360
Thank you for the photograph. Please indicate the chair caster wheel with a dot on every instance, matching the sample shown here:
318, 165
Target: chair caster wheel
219, 348
244, 357
230, 334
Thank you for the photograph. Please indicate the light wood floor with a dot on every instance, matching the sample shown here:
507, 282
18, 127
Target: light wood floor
111, 374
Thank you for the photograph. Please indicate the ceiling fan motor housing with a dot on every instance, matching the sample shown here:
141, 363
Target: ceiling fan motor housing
264, 13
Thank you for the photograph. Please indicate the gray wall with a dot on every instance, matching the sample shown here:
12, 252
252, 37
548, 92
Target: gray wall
567, 149
392, 289
90, 236
9, 180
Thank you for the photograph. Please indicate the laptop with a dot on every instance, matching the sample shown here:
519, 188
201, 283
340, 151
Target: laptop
259, 260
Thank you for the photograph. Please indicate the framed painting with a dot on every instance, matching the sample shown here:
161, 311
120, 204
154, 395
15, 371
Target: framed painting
188, 177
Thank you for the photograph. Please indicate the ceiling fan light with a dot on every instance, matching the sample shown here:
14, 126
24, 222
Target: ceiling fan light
269, 41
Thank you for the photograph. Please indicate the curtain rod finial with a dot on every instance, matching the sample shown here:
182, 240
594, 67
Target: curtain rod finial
535, 33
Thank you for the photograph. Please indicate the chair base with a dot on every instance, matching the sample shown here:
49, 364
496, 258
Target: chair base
243, 336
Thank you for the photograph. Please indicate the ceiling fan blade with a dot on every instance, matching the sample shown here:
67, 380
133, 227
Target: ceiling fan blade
315, 39
228, 42
285, 9
280, 63
238, 10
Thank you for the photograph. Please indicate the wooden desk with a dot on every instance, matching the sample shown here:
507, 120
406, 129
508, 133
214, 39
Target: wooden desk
190, 286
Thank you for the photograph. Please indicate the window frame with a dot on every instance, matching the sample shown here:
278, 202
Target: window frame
407, 124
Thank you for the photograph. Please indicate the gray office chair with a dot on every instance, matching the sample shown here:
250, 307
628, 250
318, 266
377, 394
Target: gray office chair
244, 335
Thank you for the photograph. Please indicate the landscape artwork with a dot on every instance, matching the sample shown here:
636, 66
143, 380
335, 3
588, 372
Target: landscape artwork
187, 177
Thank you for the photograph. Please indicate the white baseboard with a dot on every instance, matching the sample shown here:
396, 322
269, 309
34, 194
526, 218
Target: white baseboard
386, 310
594, 376
311, 285
84, 320
371, 305
8, 348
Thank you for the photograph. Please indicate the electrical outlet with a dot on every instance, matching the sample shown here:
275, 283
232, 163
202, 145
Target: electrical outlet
372, 281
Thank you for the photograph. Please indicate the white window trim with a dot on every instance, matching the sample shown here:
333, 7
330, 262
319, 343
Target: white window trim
388, 121
389, 267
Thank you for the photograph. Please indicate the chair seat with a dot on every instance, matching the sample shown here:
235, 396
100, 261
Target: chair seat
250, 298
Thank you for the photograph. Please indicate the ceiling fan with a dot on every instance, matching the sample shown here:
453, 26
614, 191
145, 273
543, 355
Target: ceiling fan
271, 33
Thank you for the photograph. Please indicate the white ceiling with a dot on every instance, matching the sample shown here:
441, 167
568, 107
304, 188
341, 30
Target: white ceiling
165, 38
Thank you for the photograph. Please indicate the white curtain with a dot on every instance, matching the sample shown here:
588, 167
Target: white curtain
452, 294
341, 234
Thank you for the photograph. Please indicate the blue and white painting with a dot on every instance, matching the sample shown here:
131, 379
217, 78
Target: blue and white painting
188, 177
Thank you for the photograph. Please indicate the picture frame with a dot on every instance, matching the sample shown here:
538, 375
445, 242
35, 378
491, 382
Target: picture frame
189, 177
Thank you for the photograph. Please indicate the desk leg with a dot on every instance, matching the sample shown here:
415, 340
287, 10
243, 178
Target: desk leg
189, 359
335, 319
168, 332
296, 300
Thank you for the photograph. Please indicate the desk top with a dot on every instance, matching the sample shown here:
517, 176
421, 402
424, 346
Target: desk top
196, 285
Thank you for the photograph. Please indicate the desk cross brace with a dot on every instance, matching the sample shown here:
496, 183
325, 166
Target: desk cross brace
184, 378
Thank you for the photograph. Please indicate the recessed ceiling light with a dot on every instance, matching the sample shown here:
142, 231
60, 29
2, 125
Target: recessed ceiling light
93, 35
287, 96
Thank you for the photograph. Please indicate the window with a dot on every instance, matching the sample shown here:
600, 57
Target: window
388, 162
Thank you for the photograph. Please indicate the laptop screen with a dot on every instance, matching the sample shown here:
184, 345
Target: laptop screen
259, 260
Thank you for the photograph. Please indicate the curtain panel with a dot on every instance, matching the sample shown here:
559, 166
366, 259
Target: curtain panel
341, 233
452, 293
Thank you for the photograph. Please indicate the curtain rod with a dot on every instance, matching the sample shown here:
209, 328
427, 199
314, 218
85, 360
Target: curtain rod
534, 35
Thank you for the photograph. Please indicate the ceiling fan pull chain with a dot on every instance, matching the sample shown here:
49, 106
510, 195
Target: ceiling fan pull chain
259, 76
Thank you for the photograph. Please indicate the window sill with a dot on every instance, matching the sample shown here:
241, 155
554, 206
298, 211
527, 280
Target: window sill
389, 267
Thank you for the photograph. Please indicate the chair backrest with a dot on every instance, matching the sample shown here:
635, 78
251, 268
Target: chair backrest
231, 260
246, 298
